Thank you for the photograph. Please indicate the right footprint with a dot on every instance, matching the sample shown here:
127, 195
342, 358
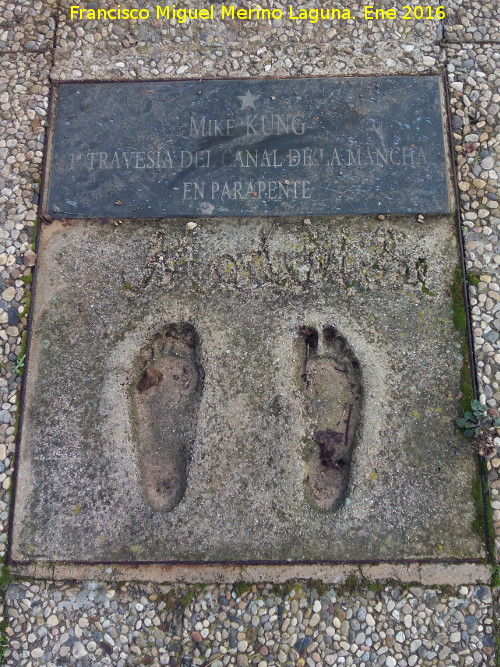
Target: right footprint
331, 385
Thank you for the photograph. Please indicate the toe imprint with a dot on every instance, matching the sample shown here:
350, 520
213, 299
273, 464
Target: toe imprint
330, 381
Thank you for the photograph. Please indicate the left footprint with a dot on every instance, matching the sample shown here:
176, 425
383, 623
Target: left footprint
166, 395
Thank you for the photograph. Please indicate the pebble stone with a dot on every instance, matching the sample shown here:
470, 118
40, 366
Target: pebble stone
473, 22
108, 623
125, 625
476, 103
166, 48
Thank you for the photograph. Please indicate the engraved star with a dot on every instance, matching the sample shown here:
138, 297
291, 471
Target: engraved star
247, 100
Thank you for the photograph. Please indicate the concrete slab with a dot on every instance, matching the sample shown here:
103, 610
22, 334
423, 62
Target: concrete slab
180, 385
175, 405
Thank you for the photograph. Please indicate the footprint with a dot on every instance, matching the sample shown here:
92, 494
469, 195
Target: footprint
166, 392
330, 380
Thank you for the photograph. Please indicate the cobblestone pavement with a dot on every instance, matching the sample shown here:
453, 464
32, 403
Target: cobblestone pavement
50, 623
473, 73
224, 625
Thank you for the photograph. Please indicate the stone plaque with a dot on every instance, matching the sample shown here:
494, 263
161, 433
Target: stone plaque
248, 147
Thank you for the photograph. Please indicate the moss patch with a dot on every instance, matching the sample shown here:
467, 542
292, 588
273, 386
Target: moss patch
460, 323
477, 496
3, 639
170, 599
483, 522
473, 279
27, 303
290, 587
24, 344
16, 421
489, 528
35, 235
427, 291
355, 585
242, 587
5, 580
188, 595
496, 633
319, 586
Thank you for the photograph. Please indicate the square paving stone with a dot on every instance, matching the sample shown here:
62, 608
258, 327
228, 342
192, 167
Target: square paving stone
250, 390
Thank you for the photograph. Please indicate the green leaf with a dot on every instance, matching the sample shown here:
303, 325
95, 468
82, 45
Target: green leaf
469, 433
476, 405
467, 415
496, 422
461, 422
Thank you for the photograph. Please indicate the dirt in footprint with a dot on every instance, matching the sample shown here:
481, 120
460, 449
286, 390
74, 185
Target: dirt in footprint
330, 381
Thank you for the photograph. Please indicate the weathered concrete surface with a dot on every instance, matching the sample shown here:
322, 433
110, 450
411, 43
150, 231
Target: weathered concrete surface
429, 574
105, 292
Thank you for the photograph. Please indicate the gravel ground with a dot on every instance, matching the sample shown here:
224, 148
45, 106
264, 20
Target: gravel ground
472, 21
221, 625
27, 26
66, 624
23, 96
473, 74
91, 49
